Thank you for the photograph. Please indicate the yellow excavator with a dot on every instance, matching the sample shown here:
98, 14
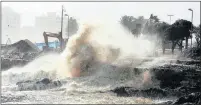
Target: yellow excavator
55, 35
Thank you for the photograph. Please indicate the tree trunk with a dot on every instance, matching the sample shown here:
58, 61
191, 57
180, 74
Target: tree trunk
180, 45
198, 42
186, 42
172, 47
174, 43
163, 46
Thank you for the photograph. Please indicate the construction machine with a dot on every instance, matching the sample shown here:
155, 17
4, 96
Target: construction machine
56, 35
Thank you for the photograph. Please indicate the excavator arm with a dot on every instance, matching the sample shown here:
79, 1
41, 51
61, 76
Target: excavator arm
55, 35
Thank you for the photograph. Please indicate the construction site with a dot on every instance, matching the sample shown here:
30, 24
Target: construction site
24, 51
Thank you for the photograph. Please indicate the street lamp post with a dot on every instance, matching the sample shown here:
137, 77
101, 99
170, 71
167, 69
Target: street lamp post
192, 24
170, 17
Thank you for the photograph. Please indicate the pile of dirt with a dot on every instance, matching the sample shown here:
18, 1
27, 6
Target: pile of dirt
21, 46
18, 54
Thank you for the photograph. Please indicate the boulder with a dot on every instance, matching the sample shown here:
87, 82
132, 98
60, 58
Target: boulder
193, 98
42, 84
151, 92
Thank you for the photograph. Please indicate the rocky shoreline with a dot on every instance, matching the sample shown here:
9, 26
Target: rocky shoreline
181, 79
183, 82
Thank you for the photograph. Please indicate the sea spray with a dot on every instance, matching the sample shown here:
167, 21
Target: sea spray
103, 43
105, 52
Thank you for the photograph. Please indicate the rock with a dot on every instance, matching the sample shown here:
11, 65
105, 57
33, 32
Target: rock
168, 77
166, 103
128, 91
45, 81
121, 91
192, 53
192, 62
193, 98
175, 80
57, 83
38, 85
178, 76
28, 81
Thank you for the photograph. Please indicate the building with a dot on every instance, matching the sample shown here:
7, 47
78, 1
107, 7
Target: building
11, 22
29, 32
50, 22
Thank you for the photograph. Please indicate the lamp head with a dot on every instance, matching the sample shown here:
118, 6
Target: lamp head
190, 9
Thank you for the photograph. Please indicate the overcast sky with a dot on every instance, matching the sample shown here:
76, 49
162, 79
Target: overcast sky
110, 10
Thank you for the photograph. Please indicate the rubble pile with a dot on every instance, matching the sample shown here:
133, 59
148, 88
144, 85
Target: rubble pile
22, 46
18, 54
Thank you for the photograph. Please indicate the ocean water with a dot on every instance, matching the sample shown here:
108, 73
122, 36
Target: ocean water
90, 89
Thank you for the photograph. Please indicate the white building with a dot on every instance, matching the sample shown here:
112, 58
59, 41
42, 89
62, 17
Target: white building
11, 22
51, 22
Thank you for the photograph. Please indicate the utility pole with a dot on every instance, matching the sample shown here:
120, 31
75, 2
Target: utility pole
62, 12
67, 27
68, 24
62, 16
170, 17
192, 24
